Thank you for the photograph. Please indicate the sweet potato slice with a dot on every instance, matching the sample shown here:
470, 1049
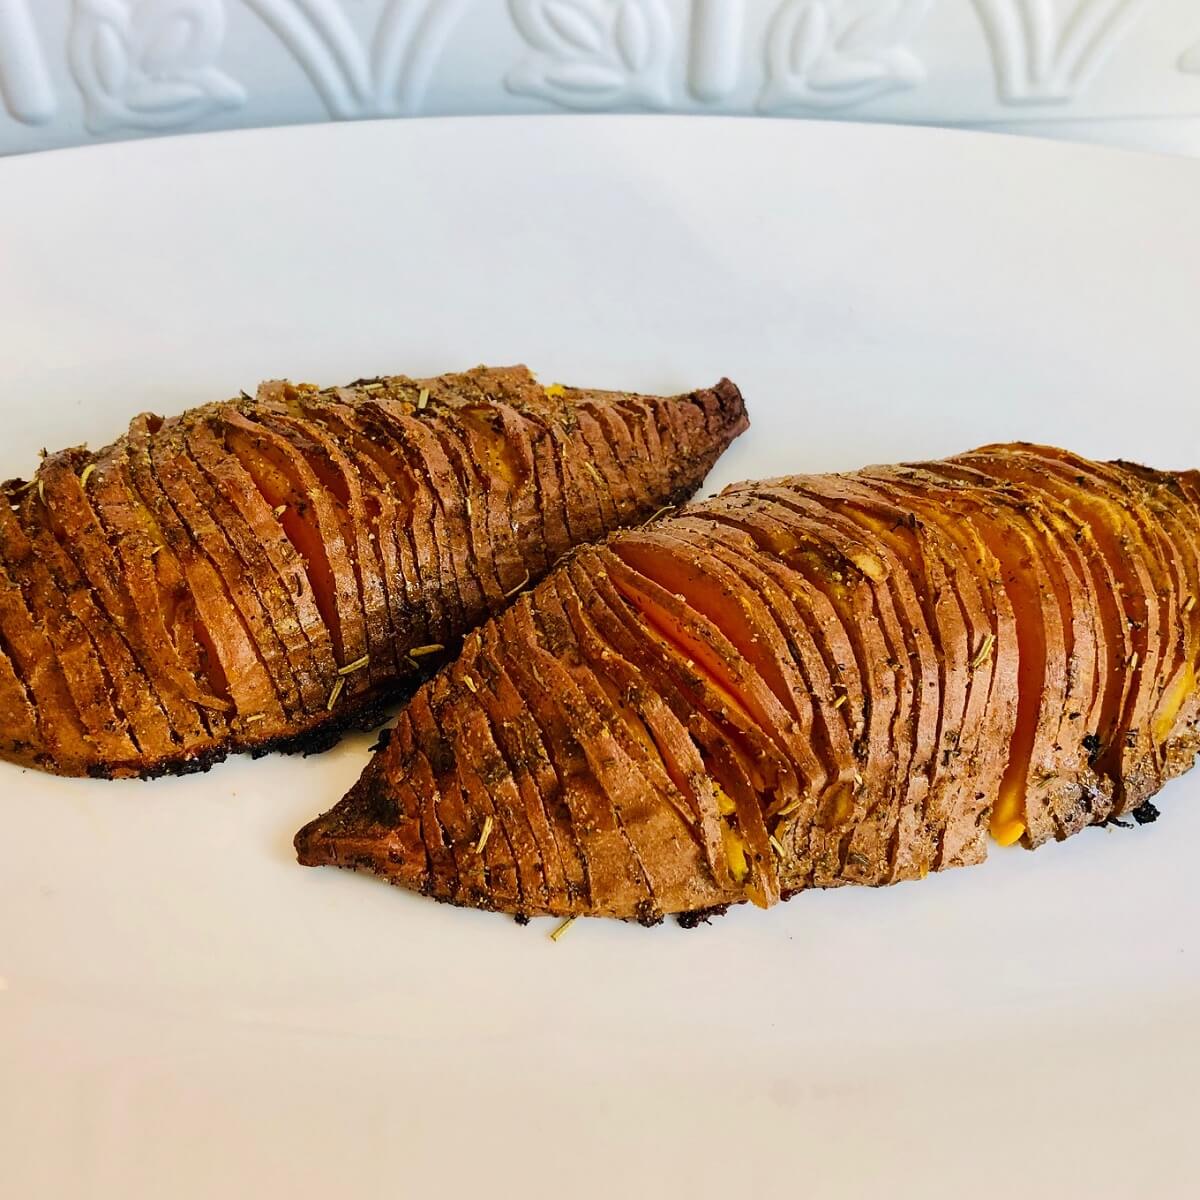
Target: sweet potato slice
867, 819
424, 754
107, 514
1040, 793
1175, 719
913, 841
21, 733
40, 682
476, 530
857, 654
405, 513
524, 748
341, 479
387, 501
482, 864
271, 561
1079, 580
626, 476
252, 658
493, 790
1148, 544
1125, 753
686, 734
613, 491
499, 446
732, 638
218, 530
655, 826
941, 641
809, 683
67, 638
749, 774
70, 538
307, 512
992, 668
650, 732
551, 490
428, 455
613, 869
129, 695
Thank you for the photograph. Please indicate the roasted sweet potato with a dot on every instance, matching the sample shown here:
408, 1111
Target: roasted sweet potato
803, 682
265, 572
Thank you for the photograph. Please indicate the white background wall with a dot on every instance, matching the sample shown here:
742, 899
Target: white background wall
74, 71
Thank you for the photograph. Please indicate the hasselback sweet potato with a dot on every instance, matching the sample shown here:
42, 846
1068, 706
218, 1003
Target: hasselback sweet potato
803, 682
266, 571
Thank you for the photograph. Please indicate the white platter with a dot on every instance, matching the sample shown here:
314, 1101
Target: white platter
184, 1012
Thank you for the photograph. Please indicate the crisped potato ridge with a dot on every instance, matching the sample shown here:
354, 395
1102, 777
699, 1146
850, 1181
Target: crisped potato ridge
804, 682
266, 571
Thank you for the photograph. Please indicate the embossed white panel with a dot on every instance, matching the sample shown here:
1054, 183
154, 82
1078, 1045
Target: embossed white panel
76, 70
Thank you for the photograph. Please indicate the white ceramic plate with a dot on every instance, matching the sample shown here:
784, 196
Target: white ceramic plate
184, 1012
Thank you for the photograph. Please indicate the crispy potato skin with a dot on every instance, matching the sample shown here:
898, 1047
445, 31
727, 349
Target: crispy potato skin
266, 572
803, 682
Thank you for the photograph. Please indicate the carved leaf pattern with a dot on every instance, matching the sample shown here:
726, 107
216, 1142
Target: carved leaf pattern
592, 54
408, 42
1046, 51
824, 54
149, 64
387, 79
25, 86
